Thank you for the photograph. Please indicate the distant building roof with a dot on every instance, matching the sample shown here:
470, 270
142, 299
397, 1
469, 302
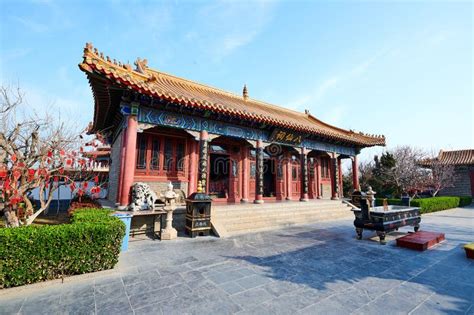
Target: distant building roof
455, 157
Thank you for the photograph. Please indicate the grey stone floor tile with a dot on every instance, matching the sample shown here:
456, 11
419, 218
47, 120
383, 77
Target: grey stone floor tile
470, 311
150, 297
277, 288
108, 280
152, 309
253, 281
42, 304
85, 294
78, 308
137, 288
147, 276
443, 304
169, 270
374, 287
327, 306
221, 306
201, 285
180, 289
11, 305
165, 281
251, 297
400, 300
119, 307
110, 291
231, 287
222, 277
193, 275
461, 290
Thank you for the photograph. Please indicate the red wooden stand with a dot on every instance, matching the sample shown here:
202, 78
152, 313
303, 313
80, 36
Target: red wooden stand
421, 240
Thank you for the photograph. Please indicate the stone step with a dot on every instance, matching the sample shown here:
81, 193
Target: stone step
231, 220
274, 205
234, 230
244, 214
267, 216
270, 211
224, 213
272, 219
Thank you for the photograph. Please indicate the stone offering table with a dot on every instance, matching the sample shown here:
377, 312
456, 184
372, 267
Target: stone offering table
140, 218
384, 221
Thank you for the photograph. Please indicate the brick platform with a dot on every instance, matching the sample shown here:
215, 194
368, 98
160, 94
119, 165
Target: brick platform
421, 240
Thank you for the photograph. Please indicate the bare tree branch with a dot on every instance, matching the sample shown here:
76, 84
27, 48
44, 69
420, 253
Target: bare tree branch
35, 151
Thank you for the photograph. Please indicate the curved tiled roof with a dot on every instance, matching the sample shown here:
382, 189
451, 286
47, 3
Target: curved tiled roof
455, 157
187, 93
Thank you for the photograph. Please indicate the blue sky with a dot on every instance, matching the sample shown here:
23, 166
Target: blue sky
402, 69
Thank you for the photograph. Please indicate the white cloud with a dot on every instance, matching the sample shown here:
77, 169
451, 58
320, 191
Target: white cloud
314, 95
321, 89
438, 37
70, 109
225, 26
334, 115
52, 18
32, 25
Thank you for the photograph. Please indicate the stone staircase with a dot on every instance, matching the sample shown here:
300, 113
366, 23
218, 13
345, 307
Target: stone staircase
228, 220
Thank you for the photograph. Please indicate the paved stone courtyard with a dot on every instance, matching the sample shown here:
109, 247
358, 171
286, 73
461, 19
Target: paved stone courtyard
314, 269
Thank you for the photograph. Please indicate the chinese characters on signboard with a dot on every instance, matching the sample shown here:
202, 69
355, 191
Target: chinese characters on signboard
286, 137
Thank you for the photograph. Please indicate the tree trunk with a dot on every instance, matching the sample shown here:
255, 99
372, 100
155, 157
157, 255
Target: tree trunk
29, 206
11, 219
34, 216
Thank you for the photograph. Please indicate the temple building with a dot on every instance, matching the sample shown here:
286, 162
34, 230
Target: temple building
164, 128
463, 163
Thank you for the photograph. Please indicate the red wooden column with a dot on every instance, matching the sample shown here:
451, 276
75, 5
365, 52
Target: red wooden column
203, 159
339, 173
122, 158
259, 180
318, 177
245, 175
129, 159
304, 175
289, 177
193, 166
334, 177
355, 173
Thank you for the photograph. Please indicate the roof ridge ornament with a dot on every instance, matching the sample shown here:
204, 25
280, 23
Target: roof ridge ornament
89, 47
245, 93
142, 65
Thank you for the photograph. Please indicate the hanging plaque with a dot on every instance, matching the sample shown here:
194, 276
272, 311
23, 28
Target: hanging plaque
284, 136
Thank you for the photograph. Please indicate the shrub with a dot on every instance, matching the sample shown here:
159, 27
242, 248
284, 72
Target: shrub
83, 202
38, 253
435, 204
432, 204
465, 201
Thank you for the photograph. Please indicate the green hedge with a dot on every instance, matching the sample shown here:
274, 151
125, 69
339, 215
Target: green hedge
465, 201
37, 253
432, 204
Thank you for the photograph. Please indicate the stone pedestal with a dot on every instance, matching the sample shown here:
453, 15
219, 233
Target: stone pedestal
169, 232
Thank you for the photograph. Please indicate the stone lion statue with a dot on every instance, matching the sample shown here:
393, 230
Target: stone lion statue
143, 197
